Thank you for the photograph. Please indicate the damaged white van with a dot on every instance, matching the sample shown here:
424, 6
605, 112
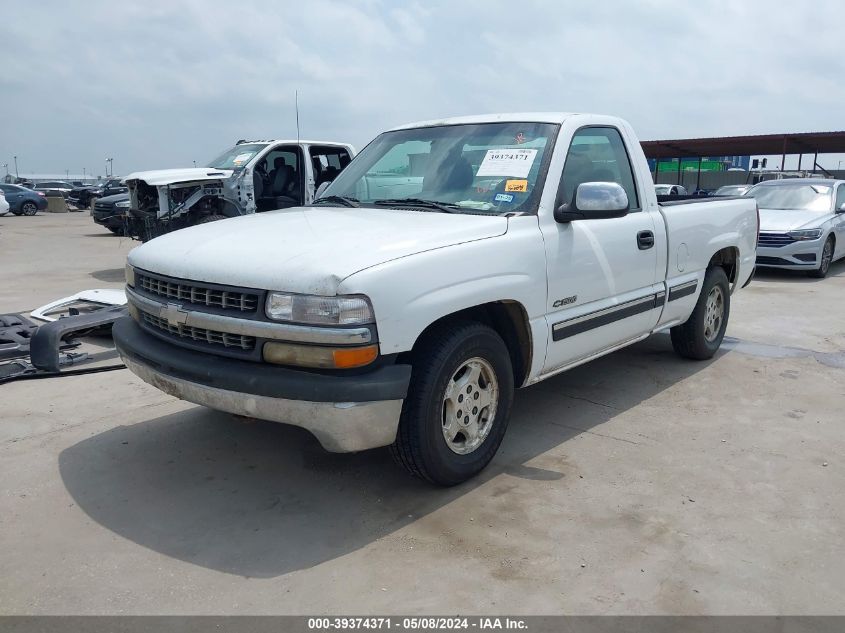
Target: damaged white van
250, 177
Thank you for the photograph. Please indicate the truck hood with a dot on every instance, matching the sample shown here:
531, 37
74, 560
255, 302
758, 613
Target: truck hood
780, 220
171, 176
306, 249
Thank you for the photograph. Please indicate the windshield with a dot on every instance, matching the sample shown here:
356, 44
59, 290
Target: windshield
491, 168
797, 197
236, 157
730, 190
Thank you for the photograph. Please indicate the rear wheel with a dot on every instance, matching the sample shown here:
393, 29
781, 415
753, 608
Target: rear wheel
458, 404
29, 208
700, 337
824, 264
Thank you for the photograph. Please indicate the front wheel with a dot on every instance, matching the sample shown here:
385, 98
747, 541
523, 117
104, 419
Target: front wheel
700, 337
824, 264
29, 208
458, 404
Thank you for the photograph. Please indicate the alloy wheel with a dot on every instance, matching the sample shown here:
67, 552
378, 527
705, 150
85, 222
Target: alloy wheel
469, 405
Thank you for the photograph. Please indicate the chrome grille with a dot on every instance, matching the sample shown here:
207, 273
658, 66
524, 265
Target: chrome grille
774, 239
199, 295
212, 337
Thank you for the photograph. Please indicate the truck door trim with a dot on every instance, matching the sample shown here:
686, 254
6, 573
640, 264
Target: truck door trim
606, 316
683, 290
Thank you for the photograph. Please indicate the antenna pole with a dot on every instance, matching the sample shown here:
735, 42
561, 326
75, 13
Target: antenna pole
296, 100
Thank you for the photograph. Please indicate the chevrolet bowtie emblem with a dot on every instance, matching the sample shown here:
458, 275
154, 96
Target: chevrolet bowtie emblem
173, 314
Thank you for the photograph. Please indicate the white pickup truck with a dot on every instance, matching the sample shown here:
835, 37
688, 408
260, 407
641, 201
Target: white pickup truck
451, 262
250, 177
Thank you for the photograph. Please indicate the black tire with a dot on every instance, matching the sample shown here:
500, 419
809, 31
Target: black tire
689, 339
826, 259
117, 230
211, 218
17, 212
420, 445
29, 208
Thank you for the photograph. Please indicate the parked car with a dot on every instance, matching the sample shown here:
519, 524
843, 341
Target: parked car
54, 188
670, 190
250, 177
82, 197
4, 205
451, 262
110, 212
23, 201
732, 190
802, 223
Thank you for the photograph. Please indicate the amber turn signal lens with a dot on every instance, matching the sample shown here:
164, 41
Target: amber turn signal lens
355, 356
318, 356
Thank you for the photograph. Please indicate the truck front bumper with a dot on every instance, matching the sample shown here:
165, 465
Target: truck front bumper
345, 413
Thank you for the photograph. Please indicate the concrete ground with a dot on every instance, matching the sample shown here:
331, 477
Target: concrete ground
639, 484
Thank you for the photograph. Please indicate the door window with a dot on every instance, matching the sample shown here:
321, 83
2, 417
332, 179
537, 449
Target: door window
328, 162
597, 154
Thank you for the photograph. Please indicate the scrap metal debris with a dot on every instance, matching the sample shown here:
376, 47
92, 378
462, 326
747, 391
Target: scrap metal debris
29, 350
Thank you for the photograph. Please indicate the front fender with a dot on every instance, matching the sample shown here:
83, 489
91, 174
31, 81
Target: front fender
411, 293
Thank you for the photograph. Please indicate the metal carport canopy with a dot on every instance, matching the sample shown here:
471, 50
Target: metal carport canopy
766, 144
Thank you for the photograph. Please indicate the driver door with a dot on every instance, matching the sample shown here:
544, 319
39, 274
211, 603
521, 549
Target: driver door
602, 281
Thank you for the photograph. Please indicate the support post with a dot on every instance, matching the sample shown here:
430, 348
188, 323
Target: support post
698, 178
680, 162
783, 155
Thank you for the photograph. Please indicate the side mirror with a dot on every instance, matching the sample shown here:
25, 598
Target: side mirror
321, 189
595, 201
841, 208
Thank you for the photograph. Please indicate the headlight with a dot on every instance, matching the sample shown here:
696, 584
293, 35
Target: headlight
123, 204
809, 234
316, 310
129, 273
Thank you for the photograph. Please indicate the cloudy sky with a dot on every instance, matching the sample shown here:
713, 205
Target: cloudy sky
158, 84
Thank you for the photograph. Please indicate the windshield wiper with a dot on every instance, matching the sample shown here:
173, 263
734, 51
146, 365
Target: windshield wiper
445, 207
344, 200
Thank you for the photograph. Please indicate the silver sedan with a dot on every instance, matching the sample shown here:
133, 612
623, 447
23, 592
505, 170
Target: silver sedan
802, 223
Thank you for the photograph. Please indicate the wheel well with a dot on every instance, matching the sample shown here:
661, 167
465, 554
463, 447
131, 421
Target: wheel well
508, 318
727, 258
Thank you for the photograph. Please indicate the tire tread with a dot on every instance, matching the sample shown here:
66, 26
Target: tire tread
429, 355
687, 339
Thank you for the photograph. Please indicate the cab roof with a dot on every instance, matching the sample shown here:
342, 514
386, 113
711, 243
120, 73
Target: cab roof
301, 141
801, 181
510, 117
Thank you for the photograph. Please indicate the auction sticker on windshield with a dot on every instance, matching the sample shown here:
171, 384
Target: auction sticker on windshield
507, 162
516, 185
242, 158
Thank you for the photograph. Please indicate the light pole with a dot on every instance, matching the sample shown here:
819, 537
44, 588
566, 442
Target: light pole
6, 165
110, 167
17, 175
67, 174
195, 163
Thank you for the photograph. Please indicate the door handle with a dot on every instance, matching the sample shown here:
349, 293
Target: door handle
645, 240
